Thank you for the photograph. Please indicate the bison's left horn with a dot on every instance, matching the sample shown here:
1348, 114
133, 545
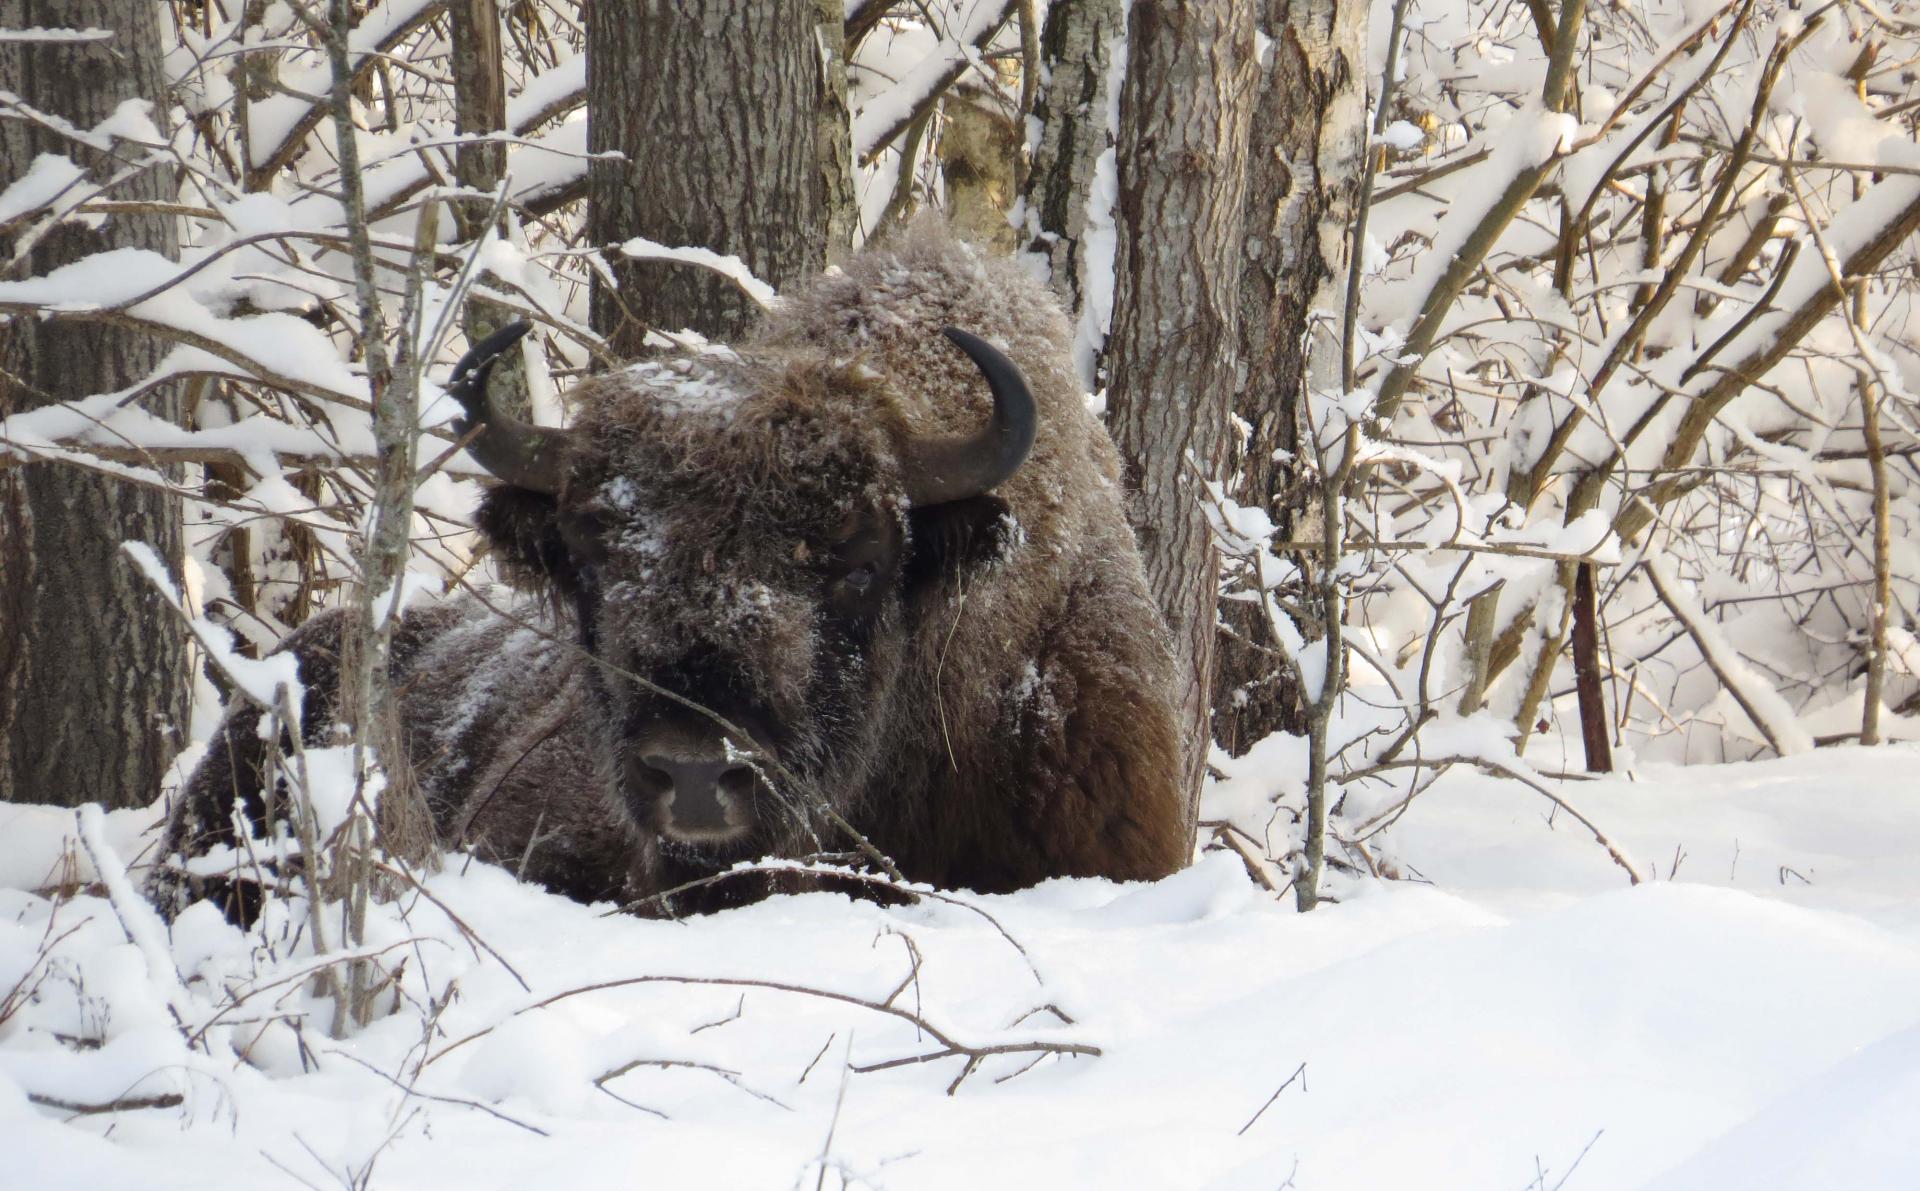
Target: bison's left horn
946, 469
522, 454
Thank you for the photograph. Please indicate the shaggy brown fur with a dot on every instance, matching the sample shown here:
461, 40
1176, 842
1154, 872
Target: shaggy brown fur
981, 686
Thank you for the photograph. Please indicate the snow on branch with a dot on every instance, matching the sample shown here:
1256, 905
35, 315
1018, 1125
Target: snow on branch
727, 265
883, 117
279, 125
41, 34
1763, 705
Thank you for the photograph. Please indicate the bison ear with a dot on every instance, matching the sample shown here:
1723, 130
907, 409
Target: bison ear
523, 527
951, 538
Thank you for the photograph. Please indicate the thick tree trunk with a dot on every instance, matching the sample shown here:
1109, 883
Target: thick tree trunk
93, 675
1303, 183
713, 104
1075, 112
980, 156
1174, 351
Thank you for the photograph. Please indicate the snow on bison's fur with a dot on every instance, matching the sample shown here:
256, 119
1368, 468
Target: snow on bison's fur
893, 559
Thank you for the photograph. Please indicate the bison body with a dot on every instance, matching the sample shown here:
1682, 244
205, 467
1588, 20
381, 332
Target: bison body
789, 582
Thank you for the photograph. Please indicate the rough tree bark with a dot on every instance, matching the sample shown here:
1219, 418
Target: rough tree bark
1174, 351
1586, 672
832, 130
1303, 182
713, 103
1072, 111
980, 155
93, 693
480, 107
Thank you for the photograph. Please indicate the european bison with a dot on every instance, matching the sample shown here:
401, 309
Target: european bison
866, 562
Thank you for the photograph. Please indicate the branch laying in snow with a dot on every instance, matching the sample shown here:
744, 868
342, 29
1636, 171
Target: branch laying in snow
949, 1046
727, 1073
461, 1101
323, 967
842, 873
1511, 767
1297, 1073
124, 1104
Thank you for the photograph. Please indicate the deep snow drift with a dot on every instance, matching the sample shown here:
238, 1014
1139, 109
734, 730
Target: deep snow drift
1749, 1019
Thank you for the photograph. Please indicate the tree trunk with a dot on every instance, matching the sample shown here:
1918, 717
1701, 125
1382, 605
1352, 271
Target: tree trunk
1076, 113
479, 108
93, 674
1174, 352
1586, 672
980, 157
713, 104
833, 131
1303, 183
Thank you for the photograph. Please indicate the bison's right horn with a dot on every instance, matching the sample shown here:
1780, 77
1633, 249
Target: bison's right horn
947, 469
522, 454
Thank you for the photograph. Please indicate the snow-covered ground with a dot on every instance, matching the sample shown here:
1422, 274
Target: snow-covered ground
1749, 1019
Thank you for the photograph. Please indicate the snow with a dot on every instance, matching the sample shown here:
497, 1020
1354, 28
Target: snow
893, 106
147, 285
41, 33
1402, 135
1525, 142
1100, 239
1758, 697
727, 265
1751, 1018
547, 91
262, 679
304, 86
50, 176
1514, 1014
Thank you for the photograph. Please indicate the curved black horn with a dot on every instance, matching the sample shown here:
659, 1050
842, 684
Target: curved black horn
522, 454
946, 469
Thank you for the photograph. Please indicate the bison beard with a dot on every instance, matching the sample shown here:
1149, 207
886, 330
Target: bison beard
843, 567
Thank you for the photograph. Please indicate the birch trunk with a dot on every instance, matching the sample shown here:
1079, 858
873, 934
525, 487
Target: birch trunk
1075, 112
1304, 167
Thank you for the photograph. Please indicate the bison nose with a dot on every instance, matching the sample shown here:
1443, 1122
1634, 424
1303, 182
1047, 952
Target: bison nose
709, 796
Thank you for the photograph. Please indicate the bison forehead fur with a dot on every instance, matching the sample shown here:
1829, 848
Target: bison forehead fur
754, 610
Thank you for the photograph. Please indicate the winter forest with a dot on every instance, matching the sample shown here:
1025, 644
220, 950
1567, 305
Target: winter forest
952, 593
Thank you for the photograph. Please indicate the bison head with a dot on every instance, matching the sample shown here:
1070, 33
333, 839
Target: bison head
743, 543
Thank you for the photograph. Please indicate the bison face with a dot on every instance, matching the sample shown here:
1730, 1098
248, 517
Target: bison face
741, 544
